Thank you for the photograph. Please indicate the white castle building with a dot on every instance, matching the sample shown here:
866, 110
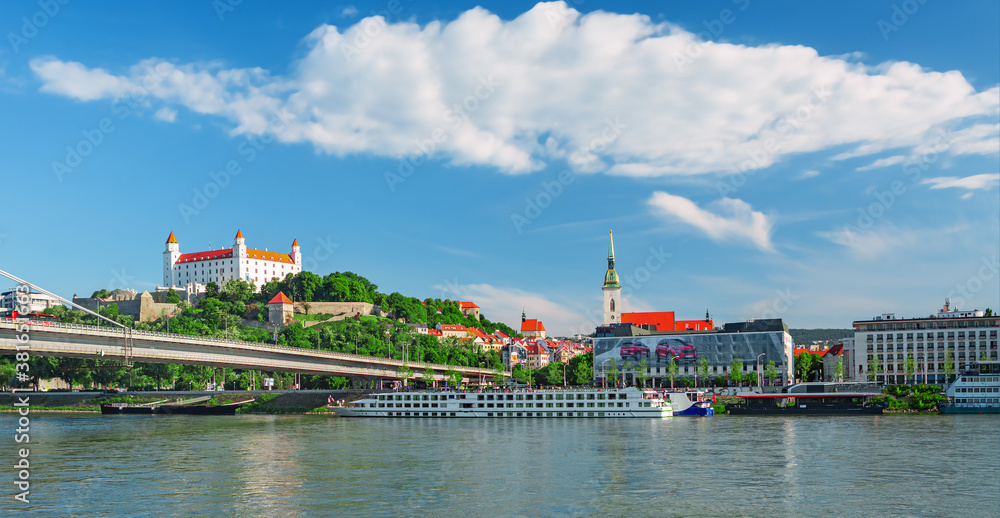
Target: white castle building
218, 266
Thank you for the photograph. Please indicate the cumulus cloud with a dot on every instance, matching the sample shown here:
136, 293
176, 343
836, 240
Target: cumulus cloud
516, 94
728, 218
166, 114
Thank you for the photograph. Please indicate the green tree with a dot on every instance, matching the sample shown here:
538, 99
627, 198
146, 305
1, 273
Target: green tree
499, 375
771, 372
453, 375
838, 369
874, 367
405, 373
642, 374
428, 376
909, 368
949, 366
581, 369
702, 370
672, 371
172, 297
212, 290
611, 374
736, 372
103, 294
804, 365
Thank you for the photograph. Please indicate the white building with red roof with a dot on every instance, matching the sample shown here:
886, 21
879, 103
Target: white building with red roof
218, 266
468, 308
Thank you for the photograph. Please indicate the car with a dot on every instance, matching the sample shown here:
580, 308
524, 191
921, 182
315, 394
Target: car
676, 349
634, 350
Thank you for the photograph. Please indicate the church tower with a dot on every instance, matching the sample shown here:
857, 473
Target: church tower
612, 288
170, 256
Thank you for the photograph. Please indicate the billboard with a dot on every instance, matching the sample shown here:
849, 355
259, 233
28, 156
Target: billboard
688, 351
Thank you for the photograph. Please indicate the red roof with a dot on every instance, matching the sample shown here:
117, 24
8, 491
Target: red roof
171, 238
239, 234
466, 305
434, 332
205, 256
295, 242
456, 327
500, 333
532, 325
280, 298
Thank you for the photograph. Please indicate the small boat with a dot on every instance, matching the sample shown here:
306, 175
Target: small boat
690, 403
812, 398
499, 403
975, 391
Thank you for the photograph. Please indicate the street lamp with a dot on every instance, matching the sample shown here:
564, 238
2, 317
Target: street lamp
604, 376
760, 377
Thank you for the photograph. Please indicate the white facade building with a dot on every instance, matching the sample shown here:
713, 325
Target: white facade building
218, 266
35, 302
936, 344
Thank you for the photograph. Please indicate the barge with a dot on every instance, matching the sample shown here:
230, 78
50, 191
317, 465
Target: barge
812, 398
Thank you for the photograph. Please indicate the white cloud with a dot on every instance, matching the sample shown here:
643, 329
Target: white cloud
481, 90
166, 114
809, 174
349, 12
884, 162
971, 183
501, 304
731, 218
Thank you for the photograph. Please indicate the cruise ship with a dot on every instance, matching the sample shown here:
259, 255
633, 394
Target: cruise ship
975, 391
626, 402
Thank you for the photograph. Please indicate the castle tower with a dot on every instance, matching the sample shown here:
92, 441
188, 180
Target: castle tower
296, 253
612, 287
170, 256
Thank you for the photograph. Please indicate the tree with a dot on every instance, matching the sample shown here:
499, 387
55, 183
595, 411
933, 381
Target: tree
172, 297
453, 375
103, 294
804, 365
428, 376
702, 370
499, 375
672, 371
949, 366
874, 367
909, 368
771, 372
212, 290
581, 369
612, 373
838, 369
641, 371
736, 372
405, 373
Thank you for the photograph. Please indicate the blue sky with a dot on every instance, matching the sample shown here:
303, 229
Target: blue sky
818, 162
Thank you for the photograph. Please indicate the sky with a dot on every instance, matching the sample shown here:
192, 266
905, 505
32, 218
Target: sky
819, 162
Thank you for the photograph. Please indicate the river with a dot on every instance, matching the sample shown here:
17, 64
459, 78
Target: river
256, 465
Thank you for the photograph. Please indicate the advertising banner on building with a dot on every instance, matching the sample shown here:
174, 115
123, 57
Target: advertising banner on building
689, 351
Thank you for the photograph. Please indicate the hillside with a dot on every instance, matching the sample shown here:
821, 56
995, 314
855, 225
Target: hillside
808, 336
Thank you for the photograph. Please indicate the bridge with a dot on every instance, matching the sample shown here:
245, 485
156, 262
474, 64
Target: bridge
130, 345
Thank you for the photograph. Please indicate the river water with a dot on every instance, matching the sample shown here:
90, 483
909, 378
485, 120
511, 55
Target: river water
893, 465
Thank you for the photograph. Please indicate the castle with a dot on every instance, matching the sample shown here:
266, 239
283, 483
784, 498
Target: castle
239, 262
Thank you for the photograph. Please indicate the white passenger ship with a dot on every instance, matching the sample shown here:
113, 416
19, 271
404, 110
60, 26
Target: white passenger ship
975, 391
626, 402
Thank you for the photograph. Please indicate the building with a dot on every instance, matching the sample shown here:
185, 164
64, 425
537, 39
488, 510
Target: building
468, 308
280, 309
696, 354
664, 321
456, 330
539, 355
612, 287
532, 327
925, 349
35, 302
239, 262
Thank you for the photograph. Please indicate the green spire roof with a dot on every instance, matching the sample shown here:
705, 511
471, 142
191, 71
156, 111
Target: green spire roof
611, 278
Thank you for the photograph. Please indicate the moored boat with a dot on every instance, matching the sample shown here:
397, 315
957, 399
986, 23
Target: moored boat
626, 402
812, 398
126, 408
690, 403
975, 391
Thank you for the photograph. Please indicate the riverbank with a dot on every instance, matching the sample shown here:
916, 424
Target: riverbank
265, 402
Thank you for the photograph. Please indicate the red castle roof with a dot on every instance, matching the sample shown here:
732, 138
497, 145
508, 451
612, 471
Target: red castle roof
171, 238
280, 298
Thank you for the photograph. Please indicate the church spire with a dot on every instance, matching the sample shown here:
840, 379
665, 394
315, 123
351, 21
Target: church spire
611, 277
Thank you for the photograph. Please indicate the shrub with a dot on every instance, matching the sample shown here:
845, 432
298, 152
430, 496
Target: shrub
898, 391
